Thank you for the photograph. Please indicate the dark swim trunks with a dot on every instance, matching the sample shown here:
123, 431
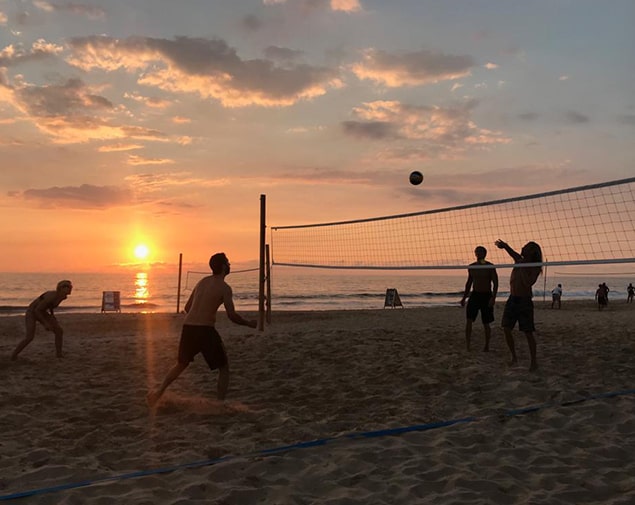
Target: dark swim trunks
480, 301
521, 309
203, 339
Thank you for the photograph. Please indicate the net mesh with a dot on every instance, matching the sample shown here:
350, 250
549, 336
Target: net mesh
582, 225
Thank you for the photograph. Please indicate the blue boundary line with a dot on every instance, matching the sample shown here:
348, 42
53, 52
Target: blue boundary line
306, 445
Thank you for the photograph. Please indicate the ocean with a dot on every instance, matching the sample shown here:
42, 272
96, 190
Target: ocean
291, 288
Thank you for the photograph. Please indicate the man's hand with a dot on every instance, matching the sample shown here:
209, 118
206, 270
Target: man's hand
500, 244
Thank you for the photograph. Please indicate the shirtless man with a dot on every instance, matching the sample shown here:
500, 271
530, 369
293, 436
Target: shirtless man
41, 310
199, 334
519, 306
484, 285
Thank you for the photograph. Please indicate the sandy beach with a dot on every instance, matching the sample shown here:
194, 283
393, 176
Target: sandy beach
329, 376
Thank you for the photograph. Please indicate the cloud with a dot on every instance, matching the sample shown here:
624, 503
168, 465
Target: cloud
86, 196
420, 132
370, 129
574, 117
55, 100
13, 55
140, 160
154, 102
71, 112
89, 11
207, 67
411, 69
336, 5
118, 147
628, 119
528, 116
251, 23
346, 5
282, 54
139, 189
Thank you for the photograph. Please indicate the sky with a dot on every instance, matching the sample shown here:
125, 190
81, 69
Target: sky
160, 124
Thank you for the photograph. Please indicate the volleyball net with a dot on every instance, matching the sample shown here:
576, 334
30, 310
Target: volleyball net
593, 224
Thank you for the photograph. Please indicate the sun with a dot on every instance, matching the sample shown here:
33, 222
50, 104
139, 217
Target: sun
141, 251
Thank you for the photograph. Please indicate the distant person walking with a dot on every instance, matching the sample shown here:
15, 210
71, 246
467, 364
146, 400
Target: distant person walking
41, 310
630, 293
481, 287
199, 333
602, 296
519, 306
556, 296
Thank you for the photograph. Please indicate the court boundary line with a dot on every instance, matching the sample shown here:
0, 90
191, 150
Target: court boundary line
311, 443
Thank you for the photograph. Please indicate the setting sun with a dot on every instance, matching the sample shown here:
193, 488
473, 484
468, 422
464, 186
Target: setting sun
141, 251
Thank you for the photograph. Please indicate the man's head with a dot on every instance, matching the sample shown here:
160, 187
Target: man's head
218, 263
480, 253
65, 285
531, 252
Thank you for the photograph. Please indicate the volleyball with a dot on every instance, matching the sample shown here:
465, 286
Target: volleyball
416, 178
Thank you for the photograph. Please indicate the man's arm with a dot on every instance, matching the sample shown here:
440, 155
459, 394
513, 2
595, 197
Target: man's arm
233, 316
494, 283
188, 304
43, 310
503, 245
468, 286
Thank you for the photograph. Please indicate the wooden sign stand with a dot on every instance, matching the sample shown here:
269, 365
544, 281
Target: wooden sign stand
111, 301
392, 299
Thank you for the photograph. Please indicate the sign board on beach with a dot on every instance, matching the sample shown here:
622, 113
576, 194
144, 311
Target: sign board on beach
111, 301
392, 299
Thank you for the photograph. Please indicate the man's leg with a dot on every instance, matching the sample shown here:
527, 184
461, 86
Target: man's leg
223, 382
510, 343
59, 340
532, 350
468, 333
172, 375
488, 334
30, 333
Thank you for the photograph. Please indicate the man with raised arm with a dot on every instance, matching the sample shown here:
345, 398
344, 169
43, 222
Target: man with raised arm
199, 333
519, 306
481, 287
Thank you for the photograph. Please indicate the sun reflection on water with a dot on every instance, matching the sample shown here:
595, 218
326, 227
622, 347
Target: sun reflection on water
142, 293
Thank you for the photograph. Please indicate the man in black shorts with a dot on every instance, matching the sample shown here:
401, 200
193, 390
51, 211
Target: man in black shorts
199, 334
483, 281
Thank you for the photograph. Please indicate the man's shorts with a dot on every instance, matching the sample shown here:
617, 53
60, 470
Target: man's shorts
203, 339
521, 309
480, 301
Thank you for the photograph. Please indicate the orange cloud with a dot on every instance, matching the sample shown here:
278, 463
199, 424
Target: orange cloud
206, 67
420, 132
411, 69
140, 160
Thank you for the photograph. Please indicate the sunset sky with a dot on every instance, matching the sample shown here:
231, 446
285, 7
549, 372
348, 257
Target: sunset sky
160, 123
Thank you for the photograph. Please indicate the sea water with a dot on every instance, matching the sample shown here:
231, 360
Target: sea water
164, 290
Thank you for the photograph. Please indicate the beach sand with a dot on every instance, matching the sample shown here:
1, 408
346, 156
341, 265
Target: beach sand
323, 375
